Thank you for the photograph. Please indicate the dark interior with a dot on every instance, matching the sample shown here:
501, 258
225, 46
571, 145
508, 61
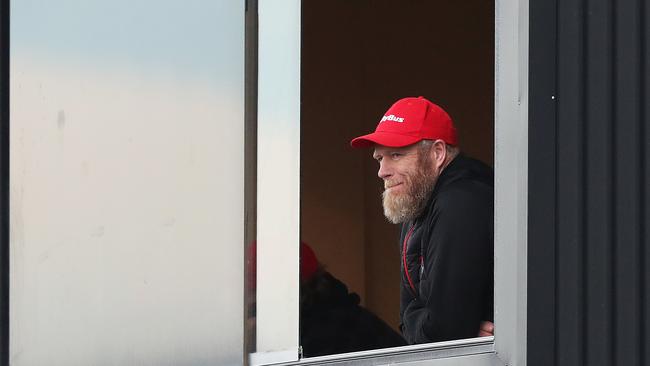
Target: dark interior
358, 57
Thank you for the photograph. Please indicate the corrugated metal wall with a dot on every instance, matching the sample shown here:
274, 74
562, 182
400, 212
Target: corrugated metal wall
589, 248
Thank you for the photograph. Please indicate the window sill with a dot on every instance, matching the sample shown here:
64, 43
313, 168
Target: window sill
424, 354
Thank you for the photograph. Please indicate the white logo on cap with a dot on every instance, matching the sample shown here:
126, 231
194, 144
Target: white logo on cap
392, 117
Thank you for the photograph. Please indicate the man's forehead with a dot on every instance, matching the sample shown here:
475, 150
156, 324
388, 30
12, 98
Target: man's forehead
381, 150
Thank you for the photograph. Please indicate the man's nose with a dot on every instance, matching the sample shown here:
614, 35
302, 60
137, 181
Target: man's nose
384, 171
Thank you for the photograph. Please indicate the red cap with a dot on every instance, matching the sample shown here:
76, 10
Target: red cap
408, 121
308, 262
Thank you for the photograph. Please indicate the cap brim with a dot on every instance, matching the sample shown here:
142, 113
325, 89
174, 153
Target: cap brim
384, 139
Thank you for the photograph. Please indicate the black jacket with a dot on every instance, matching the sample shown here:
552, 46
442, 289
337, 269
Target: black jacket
449, 255
332, 321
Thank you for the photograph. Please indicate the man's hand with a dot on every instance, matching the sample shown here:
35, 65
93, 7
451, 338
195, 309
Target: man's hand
487, 329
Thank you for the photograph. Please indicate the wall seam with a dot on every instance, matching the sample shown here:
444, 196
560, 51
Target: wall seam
612, 185
642, 183
583, 196
556, 222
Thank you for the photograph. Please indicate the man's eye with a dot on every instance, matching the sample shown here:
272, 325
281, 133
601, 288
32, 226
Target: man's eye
395, 155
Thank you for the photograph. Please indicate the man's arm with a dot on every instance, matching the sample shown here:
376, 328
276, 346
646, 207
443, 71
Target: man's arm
457, 271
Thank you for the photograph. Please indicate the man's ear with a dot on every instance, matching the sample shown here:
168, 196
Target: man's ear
438, 153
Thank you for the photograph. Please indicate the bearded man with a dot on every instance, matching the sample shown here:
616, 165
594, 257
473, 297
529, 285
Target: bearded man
444, 202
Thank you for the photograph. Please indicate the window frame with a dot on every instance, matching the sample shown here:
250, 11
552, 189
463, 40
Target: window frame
278, 181
278, 121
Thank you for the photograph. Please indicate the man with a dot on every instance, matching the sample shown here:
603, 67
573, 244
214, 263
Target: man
332, 319
444, 201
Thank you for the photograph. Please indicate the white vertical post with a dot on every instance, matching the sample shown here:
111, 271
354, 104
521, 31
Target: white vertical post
278, 195
511, 179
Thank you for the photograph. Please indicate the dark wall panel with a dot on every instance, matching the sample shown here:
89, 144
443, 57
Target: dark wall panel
627, 189
542, 129
569, 195
598, 274
599, 172
541, 348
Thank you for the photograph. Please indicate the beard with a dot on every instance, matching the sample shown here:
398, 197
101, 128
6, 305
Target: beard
406, 206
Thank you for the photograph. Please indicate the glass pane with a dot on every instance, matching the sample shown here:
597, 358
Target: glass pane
127, 191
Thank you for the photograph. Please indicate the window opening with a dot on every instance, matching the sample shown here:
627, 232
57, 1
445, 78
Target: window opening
378, 53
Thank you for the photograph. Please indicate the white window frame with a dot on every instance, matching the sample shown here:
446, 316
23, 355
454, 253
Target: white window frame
279, 196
